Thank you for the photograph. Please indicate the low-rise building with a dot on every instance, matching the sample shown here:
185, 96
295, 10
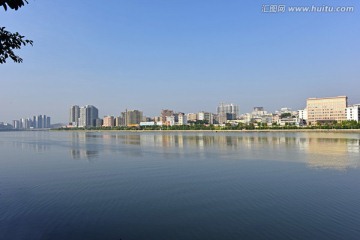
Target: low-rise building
290, 121
147, 124
191, 117
170, 121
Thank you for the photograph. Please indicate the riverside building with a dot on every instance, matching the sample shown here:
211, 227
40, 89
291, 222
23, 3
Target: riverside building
88, 116
74, 115
227, 112
108, 121
353, 112
326, 110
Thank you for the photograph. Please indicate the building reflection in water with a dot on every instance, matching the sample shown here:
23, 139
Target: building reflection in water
336, 153
33, 146
317, 150
83, 146
38, 141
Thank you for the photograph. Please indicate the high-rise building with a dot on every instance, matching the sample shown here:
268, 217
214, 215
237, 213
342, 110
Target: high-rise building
166, 113
132, 117
74, 115
48, 122
108, 121
38, 121
206, 116
182, 119
303, 114
44, 123
121, 120
82, 117
330, 109
118, 121
24, 123
227, 112
16, 124
98, 122
88, 116
353, 112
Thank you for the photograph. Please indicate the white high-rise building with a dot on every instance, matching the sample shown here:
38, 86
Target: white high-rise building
88, 116
303, 114
353, 112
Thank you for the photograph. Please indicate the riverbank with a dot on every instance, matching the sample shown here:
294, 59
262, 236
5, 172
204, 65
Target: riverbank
215, 131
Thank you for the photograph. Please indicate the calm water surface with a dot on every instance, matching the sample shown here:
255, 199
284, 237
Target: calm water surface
164, 186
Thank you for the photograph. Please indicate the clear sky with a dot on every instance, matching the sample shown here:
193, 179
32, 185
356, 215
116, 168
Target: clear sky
185, 55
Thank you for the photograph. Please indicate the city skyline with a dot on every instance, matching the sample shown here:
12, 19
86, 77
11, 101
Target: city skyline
318, 111
184, 55
71, 116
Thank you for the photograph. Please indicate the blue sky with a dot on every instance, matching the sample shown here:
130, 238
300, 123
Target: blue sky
186, 55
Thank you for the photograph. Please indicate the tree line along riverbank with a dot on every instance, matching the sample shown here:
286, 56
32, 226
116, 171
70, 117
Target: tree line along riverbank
345, 125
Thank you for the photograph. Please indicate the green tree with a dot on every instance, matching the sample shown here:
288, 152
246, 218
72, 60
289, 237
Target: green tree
285, 115
8, 40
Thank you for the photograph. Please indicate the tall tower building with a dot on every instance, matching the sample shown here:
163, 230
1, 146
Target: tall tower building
44, 123
74, 116
48, 122
227, 112
82, 117
39, 121
132, 117
88, 116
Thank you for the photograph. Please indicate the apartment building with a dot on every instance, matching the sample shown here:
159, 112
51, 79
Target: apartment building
329, 109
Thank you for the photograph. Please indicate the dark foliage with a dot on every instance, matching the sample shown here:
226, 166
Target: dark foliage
8, 40
13, 4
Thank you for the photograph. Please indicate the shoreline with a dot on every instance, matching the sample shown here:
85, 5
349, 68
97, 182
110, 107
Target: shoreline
215, 131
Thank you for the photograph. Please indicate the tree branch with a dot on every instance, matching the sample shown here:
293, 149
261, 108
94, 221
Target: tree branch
10, 41
13, 4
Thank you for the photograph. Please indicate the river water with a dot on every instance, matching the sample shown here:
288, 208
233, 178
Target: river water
175, 186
